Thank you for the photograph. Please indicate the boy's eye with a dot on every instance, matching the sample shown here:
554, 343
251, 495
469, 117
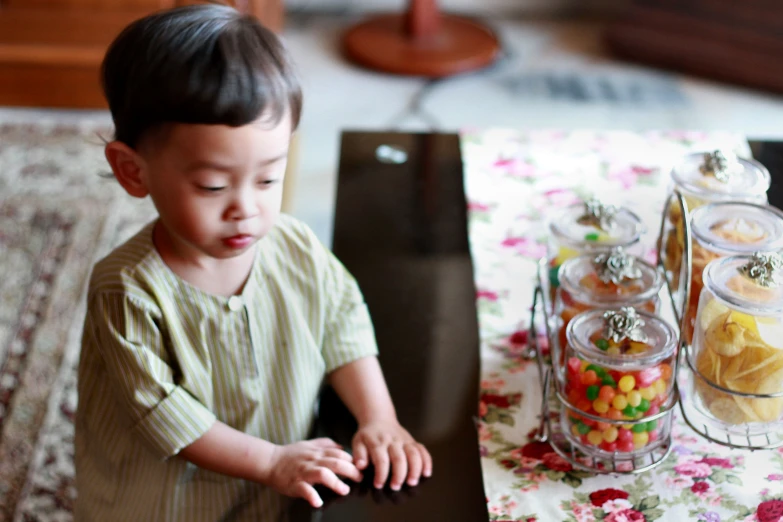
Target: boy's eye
210, 189
267, 181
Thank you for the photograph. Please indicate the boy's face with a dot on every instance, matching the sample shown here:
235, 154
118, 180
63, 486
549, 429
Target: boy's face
218, 189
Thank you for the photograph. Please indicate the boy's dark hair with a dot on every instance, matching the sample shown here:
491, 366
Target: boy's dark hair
197, 64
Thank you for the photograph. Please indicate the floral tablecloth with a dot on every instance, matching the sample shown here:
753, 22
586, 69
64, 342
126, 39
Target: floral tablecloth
513, 180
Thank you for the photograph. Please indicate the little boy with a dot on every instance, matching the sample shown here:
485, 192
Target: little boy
209, 334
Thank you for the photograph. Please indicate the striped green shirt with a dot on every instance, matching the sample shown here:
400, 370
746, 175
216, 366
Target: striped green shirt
161, 360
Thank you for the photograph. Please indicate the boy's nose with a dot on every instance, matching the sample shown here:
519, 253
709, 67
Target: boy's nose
243, 206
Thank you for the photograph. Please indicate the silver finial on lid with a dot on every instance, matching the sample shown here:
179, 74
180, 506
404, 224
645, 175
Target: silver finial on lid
598, 215
721, 165
622, 324
765, 269
616, 267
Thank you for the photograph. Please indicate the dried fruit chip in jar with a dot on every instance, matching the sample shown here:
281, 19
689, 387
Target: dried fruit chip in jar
739, 347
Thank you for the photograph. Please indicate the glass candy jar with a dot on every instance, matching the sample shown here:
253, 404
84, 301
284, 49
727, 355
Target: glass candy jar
590, 227
619, 370
618, 440
706, 177
725, 229
737, 351
606, 280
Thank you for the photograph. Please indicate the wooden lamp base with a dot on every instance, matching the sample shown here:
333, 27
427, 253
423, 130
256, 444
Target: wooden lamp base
421, 42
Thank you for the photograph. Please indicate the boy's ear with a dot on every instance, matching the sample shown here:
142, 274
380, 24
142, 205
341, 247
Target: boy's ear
128, 167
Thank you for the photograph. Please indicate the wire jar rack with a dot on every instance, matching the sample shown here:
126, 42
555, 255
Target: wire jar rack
555, 404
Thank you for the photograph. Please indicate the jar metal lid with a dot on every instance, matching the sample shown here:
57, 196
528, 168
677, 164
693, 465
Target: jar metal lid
645, 286
741, 179
584, 228
657, 333
750, 284
733, 227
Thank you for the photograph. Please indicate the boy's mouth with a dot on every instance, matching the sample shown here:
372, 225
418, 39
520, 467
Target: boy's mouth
238, 241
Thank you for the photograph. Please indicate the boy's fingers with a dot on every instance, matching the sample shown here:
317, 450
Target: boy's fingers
399, 466
380, 458
327, 477
415, 464
338, 454
342, 468
426, 459
360, 454
308, 492
325, 442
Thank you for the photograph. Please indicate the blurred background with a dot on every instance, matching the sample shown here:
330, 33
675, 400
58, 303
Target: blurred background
544, 64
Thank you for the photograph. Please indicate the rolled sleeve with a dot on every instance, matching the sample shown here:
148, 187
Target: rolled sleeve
165, 416
349, 332
176, 422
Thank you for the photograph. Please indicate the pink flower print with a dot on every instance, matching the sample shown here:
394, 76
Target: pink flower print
774, 476
679, 482
602, 496
518, 337
475, 206
559, 198
482, 409
643, 171
700, 487
516, 454
651, 255
492, 384
526, 462
625, 177
515, 167
525, 247
770, 511
694, 469
489, 295
555, 462
628, 177
626, 515
583, 512
618, 504
538, 477
717, 462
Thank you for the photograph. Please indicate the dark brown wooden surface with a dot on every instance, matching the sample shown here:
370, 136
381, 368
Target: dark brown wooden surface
401, 230
738, 42
51, 50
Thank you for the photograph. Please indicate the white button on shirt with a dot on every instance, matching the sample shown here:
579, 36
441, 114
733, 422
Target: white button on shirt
234, 303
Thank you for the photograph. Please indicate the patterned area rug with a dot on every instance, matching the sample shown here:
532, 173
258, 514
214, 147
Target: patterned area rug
59, 212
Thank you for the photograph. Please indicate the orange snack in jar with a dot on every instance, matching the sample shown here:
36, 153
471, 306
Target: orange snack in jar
725, 229
605, 280
619, 369
708, 177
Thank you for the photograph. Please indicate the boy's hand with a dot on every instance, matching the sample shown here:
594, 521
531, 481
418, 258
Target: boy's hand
294, 468
388, 444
